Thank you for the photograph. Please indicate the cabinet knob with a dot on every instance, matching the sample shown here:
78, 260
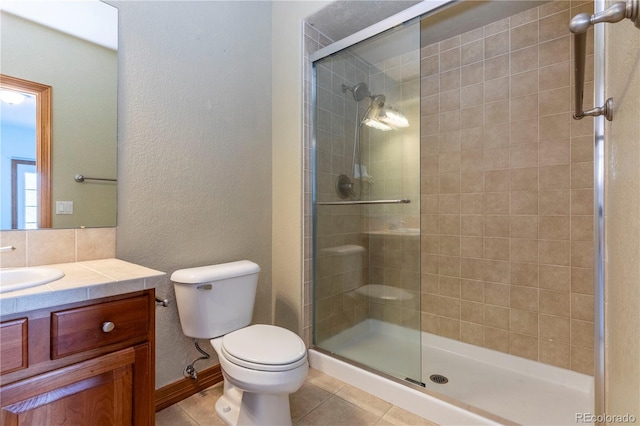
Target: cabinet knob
108, 326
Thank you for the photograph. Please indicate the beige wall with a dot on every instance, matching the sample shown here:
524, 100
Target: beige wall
622, 221
288, 154
194, 149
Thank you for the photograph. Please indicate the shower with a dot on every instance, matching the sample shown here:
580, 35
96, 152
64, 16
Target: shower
471, 256
378, 116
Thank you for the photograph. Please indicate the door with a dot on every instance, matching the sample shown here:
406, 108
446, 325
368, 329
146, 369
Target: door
94, 392
367, 203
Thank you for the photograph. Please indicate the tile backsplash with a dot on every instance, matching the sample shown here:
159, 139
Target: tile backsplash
51, 246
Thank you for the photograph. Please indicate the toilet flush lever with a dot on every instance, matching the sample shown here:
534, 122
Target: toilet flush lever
205, 287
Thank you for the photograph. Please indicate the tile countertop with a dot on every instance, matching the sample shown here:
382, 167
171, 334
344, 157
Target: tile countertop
82, 281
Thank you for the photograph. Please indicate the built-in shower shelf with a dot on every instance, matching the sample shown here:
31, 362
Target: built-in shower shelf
402, 232
342, 250
383, 292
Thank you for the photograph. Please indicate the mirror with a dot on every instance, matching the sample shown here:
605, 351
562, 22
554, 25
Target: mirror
69, 47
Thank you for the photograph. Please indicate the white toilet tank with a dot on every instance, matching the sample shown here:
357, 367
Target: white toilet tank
215, 300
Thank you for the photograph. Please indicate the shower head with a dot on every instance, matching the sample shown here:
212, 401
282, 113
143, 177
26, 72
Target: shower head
359, 91
377, 115
384, 117
377, 102
370, 116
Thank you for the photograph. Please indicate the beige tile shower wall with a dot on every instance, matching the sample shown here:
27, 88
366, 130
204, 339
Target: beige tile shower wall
507, 191
341, 248
50, 246
393, 163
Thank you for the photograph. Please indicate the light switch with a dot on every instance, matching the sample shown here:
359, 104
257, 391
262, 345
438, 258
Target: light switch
64, 207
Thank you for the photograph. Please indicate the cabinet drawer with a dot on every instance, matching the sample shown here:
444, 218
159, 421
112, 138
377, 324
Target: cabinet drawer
13, 345
80, 329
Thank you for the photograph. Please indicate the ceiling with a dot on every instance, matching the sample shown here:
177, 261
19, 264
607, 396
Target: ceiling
91, 20
343, 18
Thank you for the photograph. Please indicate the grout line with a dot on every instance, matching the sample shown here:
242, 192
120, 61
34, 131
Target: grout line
190, 416
386, 412
315, 408
358, 407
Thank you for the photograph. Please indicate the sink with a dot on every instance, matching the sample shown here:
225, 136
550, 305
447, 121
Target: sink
12, 279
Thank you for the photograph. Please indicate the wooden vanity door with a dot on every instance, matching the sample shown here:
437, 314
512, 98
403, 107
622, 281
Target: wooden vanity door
98, 391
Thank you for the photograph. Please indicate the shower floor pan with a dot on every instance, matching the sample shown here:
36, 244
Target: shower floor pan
480, 380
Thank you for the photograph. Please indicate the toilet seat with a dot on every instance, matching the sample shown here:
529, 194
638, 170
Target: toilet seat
265, 348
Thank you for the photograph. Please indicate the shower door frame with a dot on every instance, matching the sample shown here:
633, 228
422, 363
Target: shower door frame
598, 216
379, 27
599, 164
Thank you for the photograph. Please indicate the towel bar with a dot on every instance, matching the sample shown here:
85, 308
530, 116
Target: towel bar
82, 178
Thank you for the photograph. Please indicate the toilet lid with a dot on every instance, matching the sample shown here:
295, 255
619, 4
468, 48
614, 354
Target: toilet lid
264, 347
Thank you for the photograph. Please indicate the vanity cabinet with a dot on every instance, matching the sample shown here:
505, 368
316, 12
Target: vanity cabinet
88, 363
13, 350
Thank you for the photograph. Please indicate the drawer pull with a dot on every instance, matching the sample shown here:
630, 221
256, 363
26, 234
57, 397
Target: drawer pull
108, 326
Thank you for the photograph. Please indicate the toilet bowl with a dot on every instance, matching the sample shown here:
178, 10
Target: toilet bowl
261, 364
258, 382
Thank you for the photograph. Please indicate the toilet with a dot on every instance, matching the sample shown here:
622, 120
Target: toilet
261, 364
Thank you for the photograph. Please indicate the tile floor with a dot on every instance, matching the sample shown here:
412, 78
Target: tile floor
322, 400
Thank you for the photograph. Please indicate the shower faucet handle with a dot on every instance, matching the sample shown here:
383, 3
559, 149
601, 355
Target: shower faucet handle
344, 187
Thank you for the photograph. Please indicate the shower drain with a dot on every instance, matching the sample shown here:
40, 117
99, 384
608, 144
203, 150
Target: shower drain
439, 379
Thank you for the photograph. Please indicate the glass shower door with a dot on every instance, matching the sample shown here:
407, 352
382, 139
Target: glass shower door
367, 203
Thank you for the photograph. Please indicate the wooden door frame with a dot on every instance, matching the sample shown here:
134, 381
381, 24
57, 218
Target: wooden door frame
44, 151
14, 189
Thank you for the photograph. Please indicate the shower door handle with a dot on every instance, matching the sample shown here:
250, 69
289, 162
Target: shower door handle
579, 25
